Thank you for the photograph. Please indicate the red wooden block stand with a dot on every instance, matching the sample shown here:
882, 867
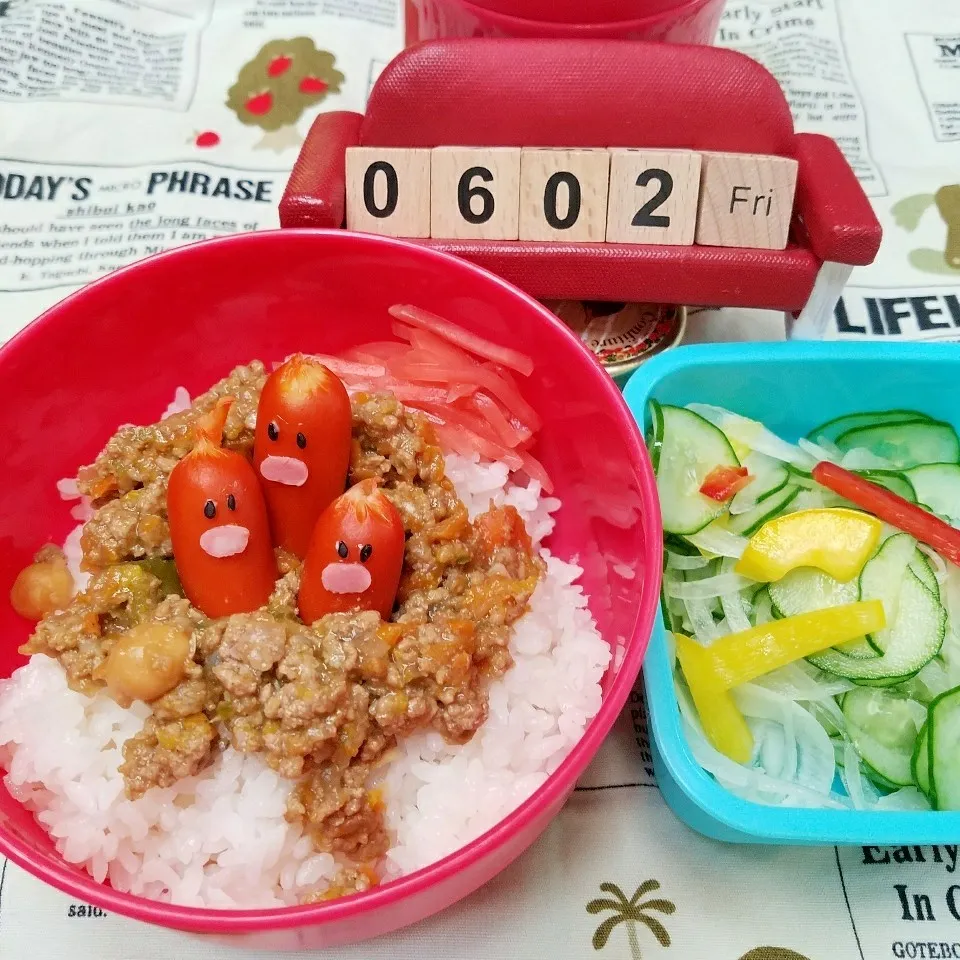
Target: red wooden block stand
609, 93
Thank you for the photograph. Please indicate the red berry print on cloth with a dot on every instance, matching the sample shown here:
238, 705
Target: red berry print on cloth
208, 138
312, 85
278, 66
260, 104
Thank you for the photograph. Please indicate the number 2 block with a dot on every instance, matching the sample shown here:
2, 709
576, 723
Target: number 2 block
388, 191
653, 196
563, 195
475, 193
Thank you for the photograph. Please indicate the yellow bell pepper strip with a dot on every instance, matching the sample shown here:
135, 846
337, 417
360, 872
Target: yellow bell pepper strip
740, 657
723, 723
834, 540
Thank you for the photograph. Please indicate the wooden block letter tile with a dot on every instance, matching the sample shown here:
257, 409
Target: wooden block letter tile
475, 193
563, 194
746, 200
388, 191
653, 196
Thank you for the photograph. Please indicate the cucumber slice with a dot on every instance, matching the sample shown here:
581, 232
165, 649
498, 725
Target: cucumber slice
882, 579
852, 421
877, 778
882, 725
923, 569
892, 480
914, 640
769, 476
763, 611
920, 761
750, 522
655, 433
944, 734
938, 486
906, 444
690, 448
807, 589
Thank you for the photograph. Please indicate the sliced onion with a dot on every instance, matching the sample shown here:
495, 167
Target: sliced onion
829, 447
859, 458
707, 589
733, 606
680, 561
808, 753
795, 683
817, 452
937, 562
746, 782
853, 779
705, 631
753, 434
907, 798
718, 541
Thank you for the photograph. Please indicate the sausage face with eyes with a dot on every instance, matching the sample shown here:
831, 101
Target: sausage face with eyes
301, 447
218, 525
355, 556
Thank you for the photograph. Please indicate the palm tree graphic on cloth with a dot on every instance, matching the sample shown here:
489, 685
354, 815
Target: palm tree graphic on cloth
631, 912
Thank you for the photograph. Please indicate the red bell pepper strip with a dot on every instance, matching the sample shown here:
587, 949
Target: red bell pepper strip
722, 482
892, 509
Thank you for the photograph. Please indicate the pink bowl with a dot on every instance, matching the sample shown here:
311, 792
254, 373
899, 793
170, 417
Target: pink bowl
95, 360
689, 21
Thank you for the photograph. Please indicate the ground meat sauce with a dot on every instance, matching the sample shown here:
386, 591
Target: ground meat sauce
322, 704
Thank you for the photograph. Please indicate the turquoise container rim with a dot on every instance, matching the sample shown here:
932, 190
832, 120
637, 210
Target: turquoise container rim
693, 795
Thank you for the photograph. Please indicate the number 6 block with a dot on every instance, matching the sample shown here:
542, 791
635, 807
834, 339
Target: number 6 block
475, 193
653, 196
563, 194
388, 191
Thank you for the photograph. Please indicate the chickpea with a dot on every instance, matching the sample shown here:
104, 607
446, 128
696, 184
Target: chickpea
148, 661
41, 588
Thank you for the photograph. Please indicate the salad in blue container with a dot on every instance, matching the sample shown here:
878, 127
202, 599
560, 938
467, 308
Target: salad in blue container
811, 590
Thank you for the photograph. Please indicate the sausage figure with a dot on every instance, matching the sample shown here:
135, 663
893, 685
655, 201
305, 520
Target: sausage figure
301, 447
218, 525
355, 556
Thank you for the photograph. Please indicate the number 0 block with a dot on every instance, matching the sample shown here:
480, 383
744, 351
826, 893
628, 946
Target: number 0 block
475, 193
653, 196
563, 194
388, 191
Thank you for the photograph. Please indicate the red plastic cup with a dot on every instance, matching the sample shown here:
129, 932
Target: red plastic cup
691, 21
114, 352
575, 11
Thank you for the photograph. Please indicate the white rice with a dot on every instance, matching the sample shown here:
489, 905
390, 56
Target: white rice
220, 839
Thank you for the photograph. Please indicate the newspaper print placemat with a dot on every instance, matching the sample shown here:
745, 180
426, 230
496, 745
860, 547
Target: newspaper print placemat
131, 126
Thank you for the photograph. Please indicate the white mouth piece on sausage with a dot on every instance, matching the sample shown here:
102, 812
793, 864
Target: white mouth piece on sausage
226, 541
286, 470
345, 577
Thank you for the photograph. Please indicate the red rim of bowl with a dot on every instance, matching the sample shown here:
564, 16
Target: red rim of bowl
226, 921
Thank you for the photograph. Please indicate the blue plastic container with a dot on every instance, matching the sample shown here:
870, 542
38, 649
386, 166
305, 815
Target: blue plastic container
791, 387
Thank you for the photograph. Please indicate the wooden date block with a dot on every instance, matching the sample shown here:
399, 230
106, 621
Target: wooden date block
388, 191
653, 196
563, 194
746, 200
475, 193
